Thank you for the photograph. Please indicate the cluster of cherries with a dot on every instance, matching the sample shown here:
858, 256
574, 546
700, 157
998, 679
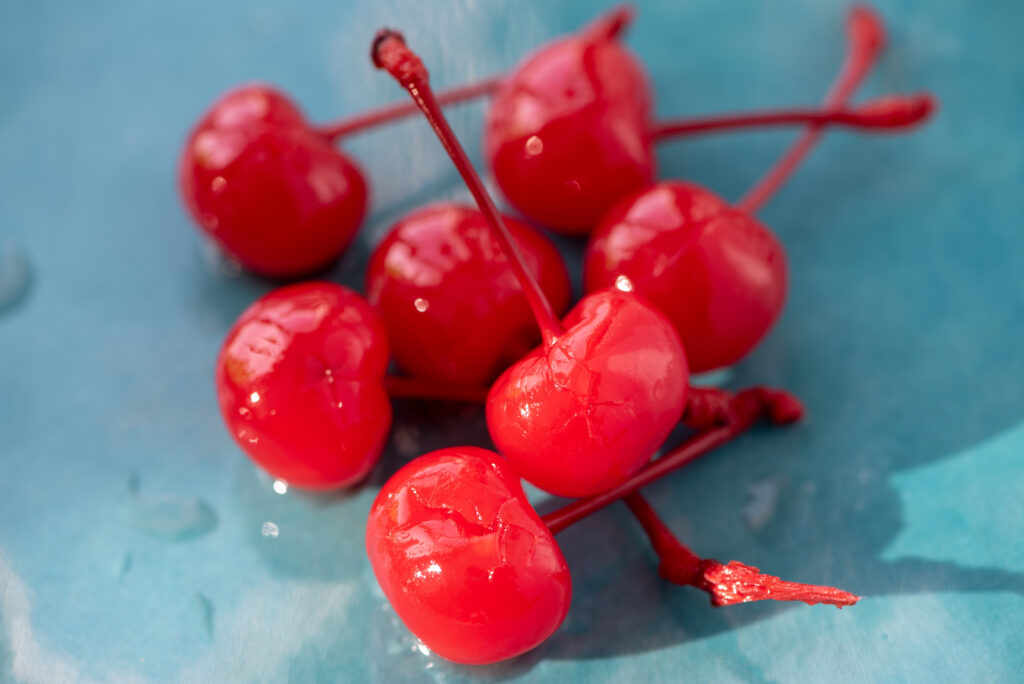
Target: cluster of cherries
459, 297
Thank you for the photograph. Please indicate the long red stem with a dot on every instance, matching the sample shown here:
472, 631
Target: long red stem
375, 117
890, 113
728, 583
391, 53
866, 36
746, 408
413, 388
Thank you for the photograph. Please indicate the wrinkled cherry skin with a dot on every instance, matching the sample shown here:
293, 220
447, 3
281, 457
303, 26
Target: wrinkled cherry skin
588, 413
566, 135
299, 380
269, 190
452, 306
463, 558
717, 273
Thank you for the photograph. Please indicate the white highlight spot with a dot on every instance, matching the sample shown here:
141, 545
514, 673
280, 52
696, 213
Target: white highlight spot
623, 283
280, 486
421, 304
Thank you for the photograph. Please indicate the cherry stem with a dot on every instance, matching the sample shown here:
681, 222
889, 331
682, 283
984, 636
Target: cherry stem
730, 583
413, 388
355, 124
736, 417
887, 114
866, 38
390, 52
610, 25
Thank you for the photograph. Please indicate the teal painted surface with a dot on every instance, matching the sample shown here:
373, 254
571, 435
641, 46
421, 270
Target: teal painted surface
131, 528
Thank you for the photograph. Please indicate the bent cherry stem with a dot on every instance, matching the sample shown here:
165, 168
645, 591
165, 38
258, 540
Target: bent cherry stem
866, 38
890, 113
399, 110
390, 52
729, 583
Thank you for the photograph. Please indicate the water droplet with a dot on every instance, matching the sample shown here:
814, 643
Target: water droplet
269, 529
280, 486
406, 439
421, 304
216, 259
173, 518
623, 283
206, 611
218, 184
247, 434
762, 498
534, 146
254, 397
15, 276
122, 566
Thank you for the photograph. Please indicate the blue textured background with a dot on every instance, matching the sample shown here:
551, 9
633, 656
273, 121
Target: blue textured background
130, 525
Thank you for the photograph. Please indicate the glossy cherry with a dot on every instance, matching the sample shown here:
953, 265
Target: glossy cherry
717, 273
452, 306
463, 558
271, 191
586, 412
610, 382
300, 384
566, 133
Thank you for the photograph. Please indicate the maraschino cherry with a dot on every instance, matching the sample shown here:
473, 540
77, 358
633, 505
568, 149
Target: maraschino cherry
585, 410
271, 189
300, 380
452, 306
716, 271
570, 132
477, 575
463, 558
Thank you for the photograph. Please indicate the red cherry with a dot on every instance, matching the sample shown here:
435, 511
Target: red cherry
463, 558
717, 273
452, 306
586, 413
566, 134
300, 384
267, 188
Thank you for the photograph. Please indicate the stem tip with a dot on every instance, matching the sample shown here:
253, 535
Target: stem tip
866, 28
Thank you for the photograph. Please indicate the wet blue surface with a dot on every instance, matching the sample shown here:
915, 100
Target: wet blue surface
134, 543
